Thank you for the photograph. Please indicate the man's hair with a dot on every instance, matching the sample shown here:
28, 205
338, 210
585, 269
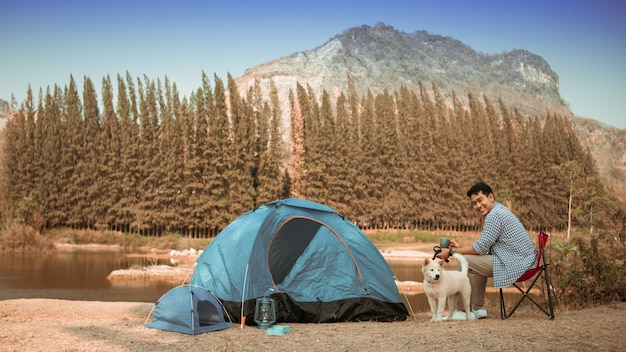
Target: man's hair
479, 187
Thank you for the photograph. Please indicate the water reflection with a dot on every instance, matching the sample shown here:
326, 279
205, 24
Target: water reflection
74, 275
410, 270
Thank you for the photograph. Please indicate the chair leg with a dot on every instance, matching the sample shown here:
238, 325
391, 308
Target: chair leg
517, 304
525, 294
550, 311
502, 306
549, 288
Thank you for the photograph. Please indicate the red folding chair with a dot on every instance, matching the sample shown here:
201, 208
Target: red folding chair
540, 270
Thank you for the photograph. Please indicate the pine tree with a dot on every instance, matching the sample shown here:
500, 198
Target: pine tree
340, 197
89, 165
538, 182
124, 211
72, 152
241, 183
52, 179
276, 148
410, 143
169, 170
219, 147
108, 148
461, 162
510, 154
298, 171
14, 150
318, 144
39, 163
30, 158
387, 160
428, 132
145, 214
350, 134
443, 153
193, 124
494, 156
268, 146
370, 187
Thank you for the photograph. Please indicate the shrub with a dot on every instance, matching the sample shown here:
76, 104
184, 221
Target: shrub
132, 240
589, 271
19, 237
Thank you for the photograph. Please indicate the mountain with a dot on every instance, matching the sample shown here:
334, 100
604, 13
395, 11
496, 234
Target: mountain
608, 147
379, 58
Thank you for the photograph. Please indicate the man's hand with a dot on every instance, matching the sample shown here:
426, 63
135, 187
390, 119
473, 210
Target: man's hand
445, 253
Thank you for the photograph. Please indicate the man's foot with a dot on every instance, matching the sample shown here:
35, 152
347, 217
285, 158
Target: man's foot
480, 313
459, 315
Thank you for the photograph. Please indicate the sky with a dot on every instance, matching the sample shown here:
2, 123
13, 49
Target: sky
44, 42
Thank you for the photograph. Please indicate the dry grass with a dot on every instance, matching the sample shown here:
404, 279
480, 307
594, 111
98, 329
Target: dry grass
21, 238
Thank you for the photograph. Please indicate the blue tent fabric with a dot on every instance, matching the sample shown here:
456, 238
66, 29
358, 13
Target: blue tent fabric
189, 310
316, 264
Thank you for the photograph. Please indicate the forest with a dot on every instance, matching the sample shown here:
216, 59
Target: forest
141, 158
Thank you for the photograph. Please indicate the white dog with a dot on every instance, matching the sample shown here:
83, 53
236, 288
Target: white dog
441, 284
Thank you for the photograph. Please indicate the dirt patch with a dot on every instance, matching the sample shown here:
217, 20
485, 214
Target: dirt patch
58, 325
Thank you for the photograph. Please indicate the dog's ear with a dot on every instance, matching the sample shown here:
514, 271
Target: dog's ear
440, 261
426, 261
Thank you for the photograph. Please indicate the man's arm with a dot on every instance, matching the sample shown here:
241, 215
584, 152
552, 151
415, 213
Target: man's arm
455, 248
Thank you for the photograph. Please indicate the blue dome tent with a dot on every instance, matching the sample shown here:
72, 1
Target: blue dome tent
189, 310
314, 263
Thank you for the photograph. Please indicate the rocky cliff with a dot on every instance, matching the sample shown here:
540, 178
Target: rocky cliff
379, 58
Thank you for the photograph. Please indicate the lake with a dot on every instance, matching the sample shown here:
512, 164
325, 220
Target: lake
74, 275
82, 275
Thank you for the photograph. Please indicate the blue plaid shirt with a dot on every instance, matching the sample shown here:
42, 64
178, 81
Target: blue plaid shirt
513, 250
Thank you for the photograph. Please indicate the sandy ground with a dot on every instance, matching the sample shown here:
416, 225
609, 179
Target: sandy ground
57, 325
60, 325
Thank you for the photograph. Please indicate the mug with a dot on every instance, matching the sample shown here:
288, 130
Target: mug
444, 242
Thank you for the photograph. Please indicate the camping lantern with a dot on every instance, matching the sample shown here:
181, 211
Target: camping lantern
264, 312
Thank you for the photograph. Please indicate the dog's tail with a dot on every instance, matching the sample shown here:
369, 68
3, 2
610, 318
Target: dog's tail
462, 261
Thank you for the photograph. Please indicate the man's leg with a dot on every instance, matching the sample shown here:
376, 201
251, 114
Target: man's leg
480, 268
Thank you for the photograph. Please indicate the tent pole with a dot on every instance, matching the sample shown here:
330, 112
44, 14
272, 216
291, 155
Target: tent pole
395, 278
243, 297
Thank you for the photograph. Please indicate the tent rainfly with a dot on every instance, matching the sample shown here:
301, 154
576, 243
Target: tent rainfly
316, 265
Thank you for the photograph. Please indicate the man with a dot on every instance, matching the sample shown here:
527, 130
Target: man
503, 251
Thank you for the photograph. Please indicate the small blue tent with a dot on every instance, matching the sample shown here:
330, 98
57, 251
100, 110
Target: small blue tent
188, 310
314, 263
